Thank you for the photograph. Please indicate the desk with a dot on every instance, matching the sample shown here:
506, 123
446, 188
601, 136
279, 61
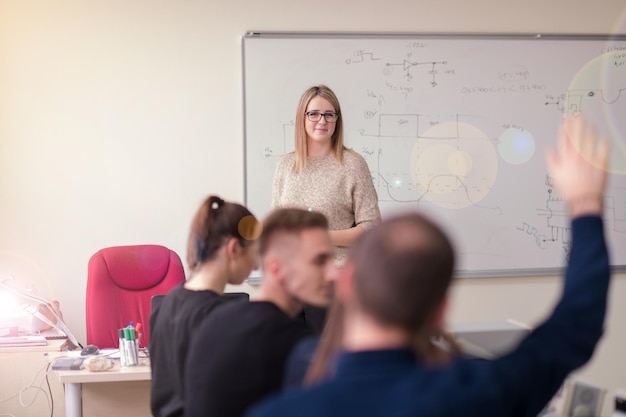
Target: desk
22, 367
101, 391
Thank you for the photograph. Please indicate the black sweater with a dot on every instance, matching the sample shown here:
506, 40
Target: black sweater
172, 323
237, 357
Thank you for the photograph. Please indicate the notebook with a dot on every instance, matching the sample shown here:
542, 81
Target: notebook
53, 334
18, 341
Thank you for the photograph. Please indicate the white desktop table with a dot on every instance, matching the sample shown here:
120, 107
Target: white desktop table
75, 380
129, 388
23, 367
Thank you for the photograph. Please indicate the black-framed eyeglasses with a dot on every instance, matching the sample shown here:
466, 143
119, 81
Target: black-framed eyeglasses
315, 116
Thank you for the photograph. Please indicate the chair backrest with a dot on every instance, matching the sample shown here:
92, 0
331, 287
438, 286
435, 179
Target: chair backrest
121, 282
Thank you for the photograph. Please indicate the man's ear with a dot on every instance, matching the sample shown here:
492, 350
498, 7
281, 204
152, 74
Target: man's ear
273, 266
344, 286
440, 314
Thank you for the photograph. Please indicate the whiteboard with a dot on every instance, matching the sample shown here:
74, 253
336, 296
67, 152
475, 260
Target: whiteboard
454, 126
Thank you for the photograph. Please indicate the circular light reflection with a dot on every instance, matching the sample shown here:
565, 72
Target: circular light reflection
454, 165
598, 91
517, 146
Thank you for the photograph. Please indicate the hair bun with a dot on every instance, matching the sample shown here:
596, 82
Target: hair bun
216, 203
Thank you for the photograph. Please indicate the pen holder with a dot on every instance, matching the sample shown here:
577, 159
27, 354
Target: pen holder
129, 347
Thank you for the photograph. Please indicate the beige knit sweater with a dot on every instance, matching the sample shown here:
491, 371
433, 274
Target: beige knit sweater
344, 193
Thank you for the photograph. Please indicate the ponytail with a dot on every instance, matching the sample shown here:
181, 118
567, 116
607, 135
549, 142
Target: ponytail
214, 223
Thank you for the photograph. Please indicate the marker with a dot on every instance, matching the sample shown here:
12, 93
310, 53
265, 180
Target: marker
138, 329
123, 361
128, 349
132, 343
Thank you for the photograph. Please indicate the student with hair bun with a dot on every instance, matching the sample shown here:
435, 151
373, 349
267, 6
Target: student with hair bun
221, 249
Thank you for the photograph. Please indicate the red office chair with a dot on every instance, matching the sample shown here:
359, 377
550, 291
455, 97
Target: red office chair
121, 281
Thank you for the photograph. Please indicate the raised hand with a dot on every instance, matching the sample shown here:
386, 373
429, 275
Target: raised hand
578, 167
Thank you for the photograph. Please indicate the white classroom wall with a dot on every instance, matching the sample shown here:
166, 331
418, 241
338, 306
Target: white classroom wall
118, 117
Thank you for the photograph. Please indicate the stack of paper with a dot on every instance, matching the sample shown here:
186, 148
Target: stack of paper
18, 341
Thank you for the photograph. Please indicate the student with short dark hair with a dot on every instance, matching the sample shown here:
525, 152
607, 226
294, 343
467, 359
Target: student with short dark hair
394, 286
237, 355
221, 249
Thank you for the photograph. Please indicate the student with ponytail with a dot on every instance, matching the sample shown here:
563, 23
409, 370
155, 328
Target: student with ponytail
221, 249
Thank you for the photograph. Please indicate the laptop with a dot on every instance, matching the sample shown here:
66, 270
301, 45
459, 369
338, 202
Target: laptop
488, 339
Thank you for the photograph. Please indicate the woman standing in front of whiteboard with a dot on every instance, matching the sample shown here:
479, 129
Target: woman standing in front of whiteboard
325, 176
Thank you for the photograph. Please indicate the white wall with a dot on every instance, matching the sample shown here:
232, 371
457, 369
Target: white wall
118, 117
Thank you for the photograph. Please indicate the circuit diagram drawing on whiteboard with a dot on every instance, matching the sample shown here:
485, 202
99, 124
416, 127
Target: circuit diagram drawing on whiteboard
455, 127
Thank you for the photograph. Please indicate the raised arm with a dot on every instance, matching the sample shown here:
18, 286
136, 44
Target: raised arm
567, 339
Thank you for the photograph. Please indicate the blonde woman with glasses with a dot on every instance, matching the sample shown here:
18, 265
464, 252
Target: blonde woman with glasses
323, 175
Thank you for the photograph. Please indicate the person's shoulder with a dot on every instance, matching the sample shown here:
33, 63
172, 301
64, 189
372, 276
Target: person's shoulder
257, 320
352, 154
284, 166
299, 360
183, 299
224, 313
355, 163
352, 157
200, 295
265, 310
246, 311
170, 301
268, 318
289, 403
224, 319
174, 293
286, 159
316, 400
307, 346
233, 306
196, 308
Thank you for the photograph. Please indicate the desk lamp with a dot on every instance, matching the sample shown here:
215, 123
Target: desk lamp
42, 312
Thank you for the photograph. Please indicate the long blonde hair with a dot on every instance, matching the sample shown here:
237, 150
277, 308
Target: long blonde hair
300, 131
